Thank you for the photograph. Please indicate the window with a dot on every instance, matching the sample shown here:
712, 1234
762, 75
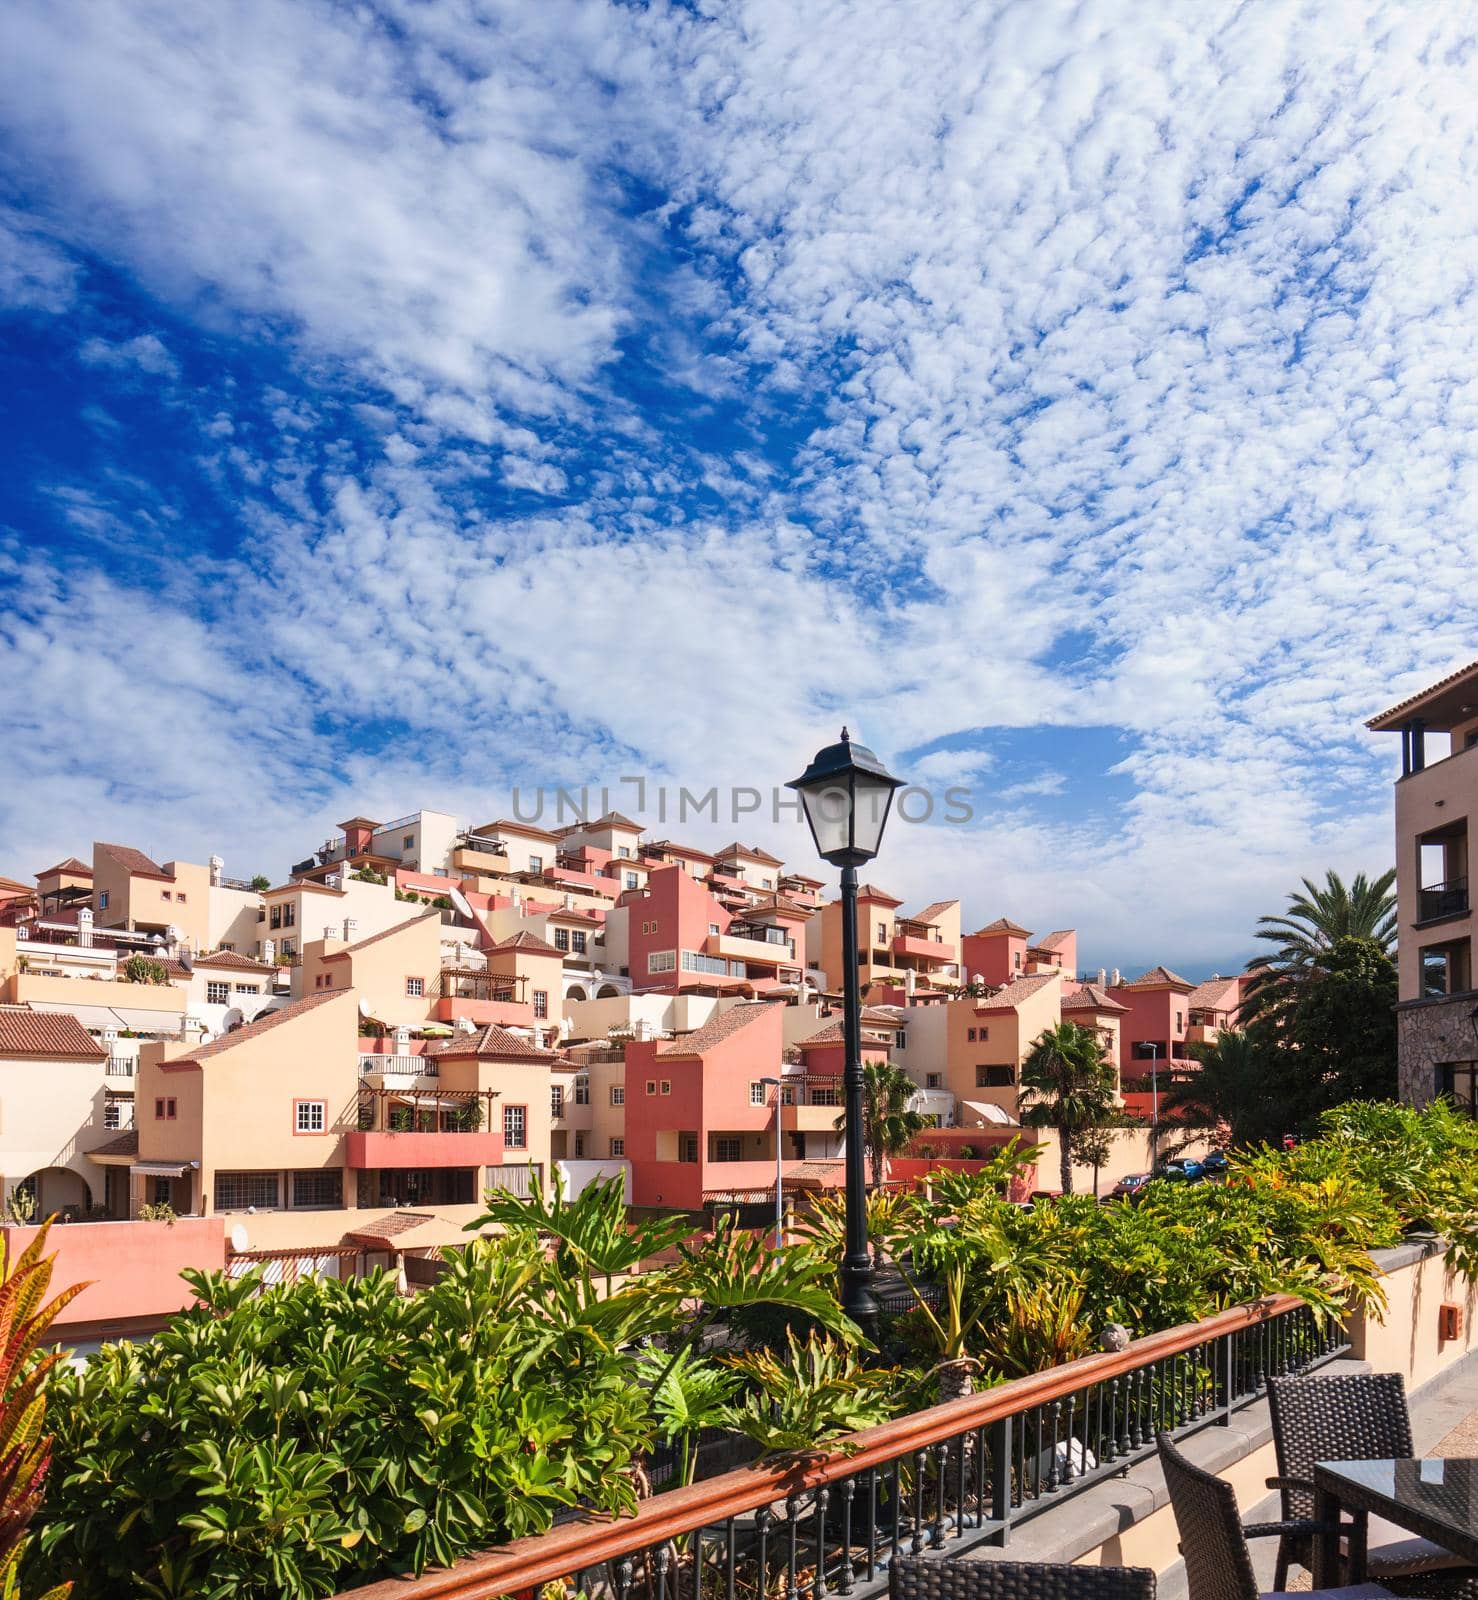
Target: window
164, 1109
618, 1094
117, 1113
900, 1039
103, 900
275, 917
757, 1094
787, 1094
516, 1127
662, 960
826, 1096
769, 883
1016, 960
318, 1191
309, 1115
536, 863
582, 1091
631, 880
541, 1003
218, 994
556, 1100
180, 897
994, 1077
882, 933
693, 962
289, 915
984, 1035
164, 894
235, 1191
415, 988
250, 988
667, 1086
651, 1086
618, 1148
408, 843
624, 851
577, 941
579, 1147
933, 1080
1180, 1022
687, 1147
725, 1149
971, 1035
562, 939
161, 1191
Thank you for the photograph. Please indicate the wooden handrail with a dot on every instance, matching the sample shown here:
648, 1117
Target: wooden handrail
590, 1540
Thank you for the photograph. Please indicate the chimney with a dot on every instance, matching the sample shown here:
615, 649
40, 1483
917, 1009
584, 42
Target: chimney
402, 1041
269, 951
351, 928
1115, 983
84, 927
1102, 977
217, 867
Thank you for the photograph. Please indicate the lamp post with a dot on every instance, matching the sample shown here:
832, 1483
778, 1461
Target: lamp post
846, 793
1154, 1106
779, 1169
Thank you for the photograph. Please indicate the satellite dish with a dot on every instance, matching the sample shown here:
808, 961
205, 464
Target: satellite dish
364, 1009
238, 1238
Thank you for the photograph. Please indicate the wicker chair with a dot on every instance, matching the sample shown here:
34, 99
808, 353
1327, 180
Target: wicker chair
1363, 1417
1213, 1540
920, 1578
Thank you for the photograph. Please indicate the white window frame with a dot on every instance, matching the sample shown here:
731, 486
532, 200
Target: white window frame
661, 961
757, 1096
310, 1116
618, 1094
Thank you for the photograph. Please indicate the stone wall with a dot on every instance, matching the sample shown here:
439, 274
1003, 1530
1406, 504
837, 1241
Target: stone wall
1430, 1034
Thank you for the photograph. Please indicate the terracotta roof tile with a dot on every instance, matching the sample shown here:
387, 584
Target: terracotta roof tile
1054, 941
719, 1027
833, 1033
71, 866
132, 860
1451, 679
933, 910
396, 1222
1155, 977
1014, 993
524, 940
24, 1032
870, 891
754, 853
491, 1040
254, 1030
1089, 997
1004, 925
126, 1144
1216, 994
232, 960
375, 938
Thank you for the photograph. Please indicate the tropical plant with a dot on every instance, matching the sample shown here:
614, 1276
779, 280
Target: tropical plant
1067, 1084
1315, 919
25, 1450
809, 1398
20, 1203
140, 969
888, 1126
1342, 1031
261, 882
156, 1211
1236, 1084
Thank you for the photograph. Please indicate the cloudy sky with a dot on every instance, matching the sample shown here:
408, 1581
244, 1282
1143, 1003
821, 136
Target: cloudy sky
405, 401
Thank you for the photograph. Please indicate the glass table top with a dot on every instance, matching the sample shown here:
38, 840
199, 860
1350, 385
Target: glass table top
1441, 1491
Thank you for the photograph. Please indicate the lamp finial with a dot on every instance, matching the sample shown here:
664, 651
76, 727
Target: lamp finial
846, 737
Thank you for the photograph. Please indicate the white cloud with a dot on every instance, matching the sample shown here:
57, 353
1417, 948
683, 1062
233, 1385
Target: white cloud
147, 352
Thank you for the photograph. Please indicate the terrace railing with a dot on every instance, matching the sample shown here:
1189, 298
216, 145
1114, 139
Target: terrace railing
955, 1475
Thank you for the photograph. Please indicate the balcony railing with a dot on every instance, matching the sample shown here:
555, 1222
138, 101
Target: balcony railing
121, 1066
399, 1066
962, 1473
460, 984
1442, 900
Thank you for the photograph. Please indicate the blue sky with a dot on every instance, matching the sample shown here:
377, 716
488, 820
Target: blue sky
403, 402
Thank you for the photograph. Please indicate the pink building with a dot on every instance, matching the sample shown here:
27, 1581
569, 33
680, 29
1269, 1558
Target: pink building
701, 1121
1154, 1030
996, 953
680, 937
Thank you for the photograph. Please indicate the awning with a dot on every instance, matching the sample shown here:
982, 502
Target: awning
96, 1018
989, 1113
162, 1169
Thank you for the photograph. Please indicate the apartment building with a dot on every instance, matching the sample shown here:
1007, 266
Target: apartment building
1435, 810
420, 842
899, 957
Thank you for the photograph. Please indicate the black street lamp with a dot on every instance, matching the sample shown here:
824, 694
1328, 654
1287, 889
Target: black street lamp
846, 793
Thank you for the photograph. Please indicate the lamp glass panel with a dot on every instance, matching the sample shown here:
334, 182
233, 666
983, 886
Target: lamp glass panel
874, 796
829, 812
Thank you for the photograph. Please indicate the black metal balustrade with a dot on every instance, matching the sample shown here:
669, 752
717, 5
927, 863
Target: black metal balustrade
1448, 899
950, 1477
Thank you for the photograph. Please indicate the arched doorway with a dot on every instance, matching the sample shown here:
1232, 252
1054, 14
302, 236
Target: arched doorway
608, 991
56, 1189
577, 993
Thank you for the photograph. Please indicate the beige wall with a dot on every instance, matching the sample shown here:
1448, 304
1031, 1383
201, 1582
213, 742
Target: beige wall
166, 999
518, 1083
1406, 1341
1442, 794
51, 1114
233, 920
378, 971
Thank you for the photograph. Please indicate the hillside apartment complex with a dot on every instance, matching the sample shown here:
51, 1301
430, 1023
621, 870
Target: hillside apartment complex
341, 1064
1436, 804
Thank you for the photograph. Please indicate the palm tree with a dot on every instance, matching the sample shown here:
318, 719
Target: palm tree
1317, 918
1234, 1088
887, 1123
1067, 1083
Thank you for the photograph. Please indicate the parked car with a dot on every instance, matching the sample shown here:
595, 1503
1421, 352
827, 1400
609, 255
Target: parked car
1183, 1171
1130, 1186
1216, 1164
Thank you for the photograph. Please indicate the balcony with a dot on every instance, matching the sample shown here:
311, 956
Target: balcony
1441, 900
908, 944
122, 1066
423, 1150
809, 1119
391, 1066
459, 983
754, 947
